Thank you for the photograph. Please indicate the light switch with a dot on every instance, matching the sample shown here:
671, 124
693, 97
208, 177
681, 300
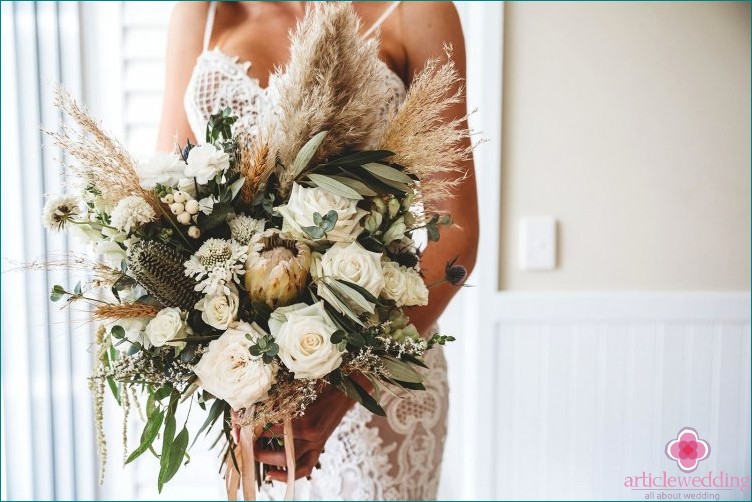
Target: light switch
537, 243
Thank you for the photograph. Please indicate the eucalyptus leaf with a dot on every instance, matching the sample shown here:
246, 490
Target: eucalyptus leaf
314, 232
117, 332
352, 295
306, 154
331, 185
329, 220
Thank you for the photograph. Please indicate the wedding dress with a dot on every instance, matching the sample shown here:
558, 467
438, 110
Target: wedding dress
396, 457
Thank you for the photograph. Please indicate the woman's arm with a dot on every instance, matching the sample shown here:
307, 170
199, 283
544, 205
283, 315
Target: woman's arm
426, 28
184, 44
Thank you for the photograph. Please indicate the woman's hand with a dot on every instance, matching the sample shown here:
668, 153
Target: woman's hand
311, 431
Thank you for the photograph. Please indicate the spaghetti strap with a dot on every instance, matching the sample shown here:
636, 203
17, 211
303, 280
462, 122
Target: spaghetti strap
209, 24
387, 12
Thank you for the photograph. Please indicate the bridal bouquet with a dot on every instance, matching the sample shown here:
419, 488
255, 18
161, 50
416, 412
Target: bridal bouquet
249, 271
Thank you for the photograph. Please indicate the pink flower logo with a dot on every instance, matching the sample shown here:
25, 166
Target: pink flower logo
687, 449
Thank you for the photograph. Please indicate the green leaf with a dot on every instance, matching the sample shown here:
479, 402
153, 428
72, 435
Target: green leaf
176, 454
400, 370
329, 220
236, 187
432, 232
117, 332
57, 292
351, 295
314, 232
216, 218
366, 399
114, 388
340, 304
337, 336
168, 437
356, 340
306, 154
317, 219
77, 288
331, 185
360, 289
163, 392
214, 413
151, 429
360, 158
388, 173
356, 185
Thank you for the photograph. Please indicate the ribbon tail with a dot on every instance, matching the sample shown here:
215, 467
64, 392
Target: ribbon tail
248, 463
232, 477
290, 458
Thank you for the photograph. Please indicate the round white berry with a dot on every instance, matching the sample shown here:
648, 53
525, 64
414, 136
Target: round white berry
177, 207
192, 206
184, 218
168, 199
194, 232
181, 196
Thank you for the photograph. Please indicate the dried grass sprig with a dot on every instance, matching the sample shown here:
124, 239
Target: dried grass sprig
101, 159
125, 310
423, 141
331, 84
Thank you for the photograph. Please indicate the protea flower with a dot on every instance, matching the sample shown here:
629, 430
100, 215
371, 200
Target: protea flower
276, 269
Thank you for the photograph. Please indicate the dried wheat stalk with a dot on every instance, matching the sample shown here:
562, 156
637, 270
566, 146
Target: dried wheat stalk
125, 310
255, 163
428, 145
102, 160
331, 84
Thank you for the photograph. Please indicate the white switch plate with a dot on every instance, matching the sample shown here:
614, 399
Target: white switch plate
537, 243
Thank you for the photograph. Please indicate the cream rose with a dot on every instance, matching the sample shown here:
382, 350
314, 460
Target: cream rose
403, 285
229, 371
205, 162
348, 262
167, 328
161, 167
303, 333
219, 310
298, 213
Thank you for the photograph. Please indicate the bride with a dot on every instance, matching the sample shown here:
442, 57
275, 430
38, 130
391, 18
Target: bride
223, 55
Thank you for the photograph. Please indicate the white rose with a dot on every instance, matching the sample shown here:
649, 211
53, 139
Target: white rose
110, 253
348, 262
403, 285
229, 371
205, 162
298, 213
303, 333
219, 310
162, 168
166, 328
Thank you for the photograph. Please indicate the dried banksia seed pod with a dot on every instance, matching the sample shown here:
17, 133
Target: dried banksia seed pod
159, 269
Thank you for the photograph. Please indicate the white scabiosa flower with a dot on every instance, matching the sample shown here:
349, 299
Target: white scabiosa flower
131, 213
217, 264
59, 211
163, 168
205, 162
276, 269
243, 228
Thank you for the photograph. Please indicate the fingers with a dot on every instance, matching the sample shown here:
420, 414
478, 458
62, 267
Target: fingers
304, 467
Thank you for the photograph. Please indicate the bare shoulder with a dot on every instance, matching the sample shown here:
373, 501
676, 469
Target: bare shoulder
431, 19
187, 23
426, 28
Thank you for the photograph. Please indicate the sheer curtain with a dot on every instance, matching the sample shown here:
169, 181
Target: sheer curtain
47, 440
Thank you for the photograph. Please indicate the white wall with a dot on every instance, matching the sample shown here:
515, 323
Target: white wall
630, 123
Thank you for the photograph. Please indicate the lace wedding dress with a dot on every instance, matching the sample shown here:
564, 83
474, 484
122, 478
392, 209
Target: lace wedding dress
368, 457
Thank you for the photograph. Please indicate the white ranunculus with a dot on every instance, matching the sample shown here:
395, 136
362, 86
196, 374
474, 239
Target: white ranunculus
403, 285
229, 371
110, 253
219, 310
205, 162
348, 262
167, 328
163, 168
298, 213
303, 333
